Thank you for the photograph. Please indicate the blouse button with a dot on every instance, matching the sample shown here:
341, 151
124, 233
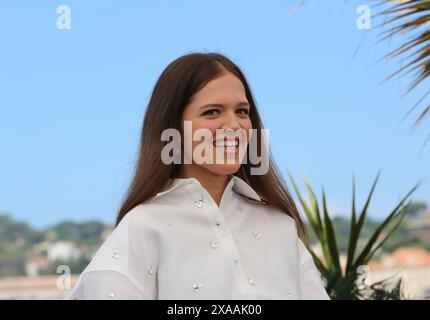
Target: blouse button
214, 245
197, 286
257, 235
115, 254
151, 270
199, 203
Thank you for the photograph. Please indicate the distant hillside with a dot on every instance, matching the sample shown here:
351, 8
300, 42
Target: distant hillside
26, 250
23, 247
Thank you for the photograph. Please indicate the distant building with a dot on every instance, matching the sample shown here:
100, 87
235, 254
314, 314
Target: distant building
63, 250
403, 257
412, 264
34, 265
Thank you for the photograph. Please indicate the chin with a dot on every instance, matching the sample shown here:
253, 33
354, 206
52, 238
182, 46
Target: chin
224, 169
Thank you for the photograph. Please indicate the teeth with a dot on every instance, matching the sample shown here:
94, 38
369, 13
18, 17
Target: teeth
228, 143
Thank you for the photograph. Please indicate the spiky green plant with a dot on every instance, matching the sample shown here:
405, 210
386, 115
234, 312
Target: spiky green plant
385, 290
341, 283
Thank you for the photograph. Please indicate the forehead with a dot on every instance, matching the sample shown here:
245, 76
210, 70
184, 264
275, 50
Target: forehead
225, 89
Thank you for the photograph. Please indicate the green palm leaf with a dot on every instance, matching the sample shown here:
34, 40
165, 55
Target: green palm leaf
341, 284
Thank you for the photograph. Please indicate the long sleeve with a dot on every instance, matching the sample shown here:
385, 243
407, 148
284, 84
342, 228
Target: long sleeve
123, 267
105, 284
312, 287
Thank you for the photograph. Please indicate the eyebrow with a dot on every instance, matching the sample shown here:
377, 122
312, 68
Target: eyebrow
220, 105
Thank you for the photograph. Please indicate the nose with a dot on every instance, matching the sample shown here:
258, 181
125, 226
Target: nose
230, 124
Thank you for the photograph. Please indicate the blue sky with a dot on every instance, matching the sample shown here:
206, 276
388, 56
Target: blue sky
72, 101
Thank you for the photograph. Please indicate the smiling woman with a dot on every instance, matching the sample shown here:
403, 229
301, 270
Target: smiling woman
220, 105
213, 230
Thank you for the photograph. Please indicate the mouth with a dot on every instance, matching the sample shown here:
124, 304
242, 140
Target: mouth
227, 146
226, 143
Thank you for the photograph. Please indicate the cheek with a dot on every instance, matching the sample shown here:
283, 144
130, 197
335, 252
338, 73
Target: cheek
210, 125
247, 126
203, 124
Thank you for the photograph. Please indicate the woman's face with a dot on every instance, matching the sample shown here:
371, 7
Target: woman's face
221, 107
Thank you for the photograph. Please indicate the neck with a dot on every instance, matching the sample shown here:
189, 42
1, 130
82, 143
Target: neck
214, 183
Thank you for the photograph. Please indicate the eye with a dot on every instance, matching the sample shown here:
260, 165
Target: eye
243, 111
211, 112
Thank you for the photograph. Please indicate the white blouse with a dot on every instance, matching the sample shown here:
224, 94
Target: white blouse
181, 245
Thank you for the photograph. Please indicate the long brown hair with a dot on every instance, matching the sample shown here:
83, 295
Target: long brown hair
173, 91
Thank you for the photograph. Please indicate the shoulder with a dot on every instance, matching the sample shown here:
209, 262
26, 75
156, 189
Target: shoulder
132, 234
129, 249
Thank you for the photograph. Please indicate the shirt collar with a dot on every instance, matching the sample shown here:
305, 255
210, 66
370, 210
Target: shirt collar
235, 183
245, 189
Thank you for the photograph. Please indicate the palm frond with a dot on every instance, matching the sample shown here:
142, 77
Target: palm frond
410, 18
